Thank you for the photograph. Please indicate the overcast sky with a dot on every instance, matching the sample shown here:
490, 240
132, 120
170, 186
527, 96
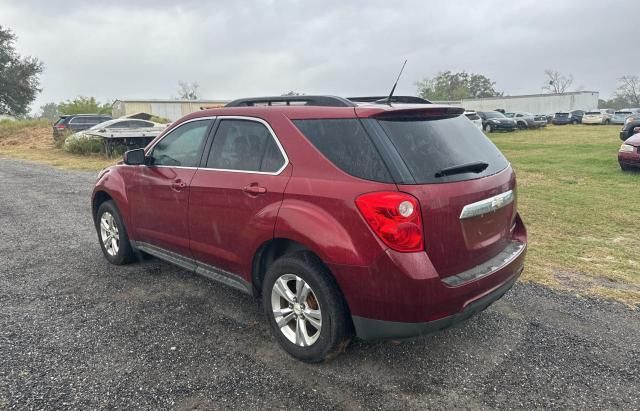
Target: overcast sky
141, 49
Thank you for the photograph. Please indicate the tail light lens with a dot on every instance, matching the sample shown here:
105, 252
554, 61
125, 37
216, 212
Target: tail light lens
60, 126
395, 218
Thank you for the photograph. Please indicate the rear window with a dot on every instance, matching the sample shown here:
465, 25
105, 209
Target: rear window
430, 146
472, 116
562, 114
61, 120
591, 113
346, 144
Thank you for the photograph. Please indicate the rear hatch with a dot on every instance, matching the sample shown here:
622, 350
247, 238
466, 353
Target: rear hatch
448, 164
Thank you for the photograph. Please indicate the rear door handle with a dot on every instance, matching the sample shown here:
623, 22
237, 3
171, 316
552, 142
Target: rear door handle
254, 189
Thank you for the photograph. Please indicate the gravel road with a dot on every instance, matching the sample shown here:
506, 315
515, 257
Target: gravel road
76, 332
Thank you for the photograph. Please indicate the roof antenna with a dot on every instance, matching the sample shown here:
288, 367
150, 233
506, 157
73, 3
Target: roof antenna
396, 83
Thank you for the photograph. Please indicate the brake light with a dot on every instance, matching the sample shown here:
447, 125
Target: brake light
395, 218
60, 126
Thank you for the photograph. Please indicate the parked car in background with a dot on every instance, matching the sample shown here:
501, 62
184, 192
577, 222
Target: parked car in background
475, 118
567, 117
77, 122
382, 235
120, 128
619, 117
630, 124
629, 153
602, 116
496, 121
526, 120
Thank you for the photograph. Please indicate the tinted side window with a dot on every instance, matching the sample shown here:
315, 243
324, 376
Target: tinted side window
346, 144
244, 145
182, 147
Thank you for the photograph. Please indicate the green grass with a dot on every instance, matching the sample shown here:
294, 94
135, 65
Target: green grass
580, 209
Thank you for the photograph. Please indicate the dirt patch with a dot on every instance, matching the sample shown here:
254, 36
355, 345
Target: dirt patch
584, 282
35, 137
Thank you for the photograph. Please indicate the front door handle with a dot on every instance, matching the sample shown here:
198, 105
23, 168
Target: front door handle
178, 185
254, 189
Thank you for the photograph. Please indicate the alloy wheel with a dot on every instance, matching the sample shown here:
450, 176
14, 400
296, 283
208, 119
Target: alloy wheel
296, 310
109, 233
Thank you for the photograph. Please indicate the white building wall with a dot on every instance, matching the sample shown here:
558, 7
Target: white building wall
537, 103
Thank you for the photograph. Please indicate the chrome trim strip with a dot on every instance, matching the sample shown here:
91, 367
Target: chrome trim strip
512, 251
198, 267
246, 118
488, 205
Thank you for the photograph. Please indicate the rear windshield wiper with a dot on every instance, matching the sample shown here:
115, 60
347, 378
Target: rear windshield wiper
475, 167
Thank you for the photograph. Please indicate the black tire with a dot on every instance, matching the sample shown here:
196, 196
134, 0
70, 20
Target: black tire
522, 126
336, 329
488, 128
124, 253
574, 122
607, 122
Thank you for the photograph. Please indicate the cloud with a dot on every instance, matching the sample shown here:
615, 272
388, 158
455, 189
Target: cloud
125, 49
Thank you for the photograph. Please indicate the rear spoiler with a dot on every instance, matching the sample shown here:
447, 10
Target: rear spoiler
418, 113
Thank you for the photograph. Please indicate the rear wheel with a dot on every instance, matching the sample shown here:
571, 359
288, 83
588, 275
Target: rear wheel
112, 234
521, 125
306, 311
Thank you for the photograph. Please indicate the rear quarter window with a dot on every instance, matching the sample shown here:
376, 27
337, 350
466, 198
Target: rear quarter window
346, 144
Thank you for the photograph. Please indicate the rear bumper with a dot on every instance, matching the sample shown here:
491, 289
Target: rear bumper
369, 329
402, 294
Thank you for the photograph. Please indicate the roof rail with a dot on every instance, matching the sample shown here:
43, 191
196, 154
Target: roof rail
329, 101
394, 99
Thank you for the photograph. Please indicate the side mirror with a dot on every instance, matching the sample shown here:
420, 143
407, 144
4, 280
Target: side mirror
134, 157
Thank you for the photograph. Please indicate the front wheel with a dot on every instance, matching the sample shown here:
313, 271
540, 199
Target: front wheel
112, 234
488, 128
305, 308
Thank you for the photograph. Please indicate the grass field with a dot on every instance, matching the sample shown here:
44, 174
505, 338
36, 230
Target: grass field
581, 211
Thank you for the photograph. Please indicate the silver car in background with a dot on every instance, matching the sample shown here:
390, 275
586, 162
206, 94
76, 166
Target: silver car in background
602, 116
474, 118
527, 120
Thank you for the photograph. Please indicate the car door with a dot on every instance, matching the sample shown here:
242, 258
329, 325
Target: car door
236, 194
159, 194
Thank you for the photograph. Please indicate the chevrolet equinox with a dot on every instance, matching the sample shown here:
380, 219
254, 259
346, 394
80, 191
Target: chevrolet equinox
345, 217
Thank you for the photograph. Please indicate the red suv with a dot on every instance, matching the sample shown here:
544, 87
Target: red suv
383, 220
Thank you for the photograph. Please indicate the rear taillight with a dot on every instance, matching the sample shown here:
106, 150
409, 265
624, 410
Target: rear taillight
60, 126
395, 218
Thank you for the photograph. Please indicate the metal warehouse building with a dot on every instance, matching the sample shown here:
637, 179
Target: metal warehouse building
536, 103
170, 109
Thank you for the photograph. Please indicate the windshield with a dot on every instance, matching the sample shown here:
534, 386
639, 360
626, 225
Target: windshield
429, 146
494, 114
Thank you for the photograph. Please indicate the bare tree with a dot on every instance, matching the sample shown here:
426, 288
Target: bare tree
556, 82
629, 89
188, 91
